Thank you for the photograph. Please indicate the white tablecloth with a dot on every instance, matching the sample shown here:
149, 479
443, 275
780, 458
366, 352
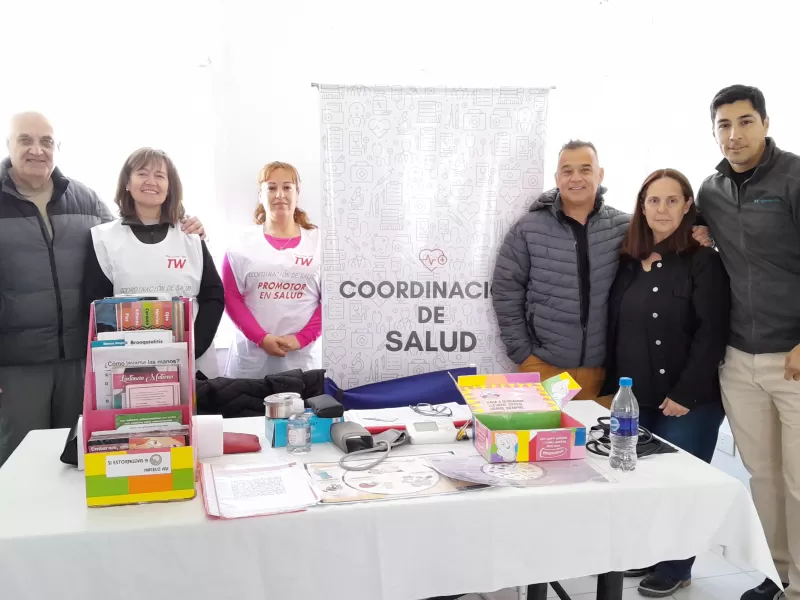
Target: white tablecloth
53, 546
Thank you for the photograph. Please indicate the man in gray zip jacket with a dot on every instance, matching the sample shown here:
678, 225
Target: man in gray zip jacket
752, 207
554, 271
45, 219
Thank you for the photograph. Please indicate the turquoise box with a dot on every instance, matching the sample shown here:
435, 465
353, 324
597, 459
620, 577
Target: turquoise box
275, 431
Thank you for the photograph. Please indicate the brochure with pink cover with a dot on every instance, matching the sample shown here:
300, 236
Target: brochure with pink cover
506, 400
517, 392
147, 387
152, 395
508, 393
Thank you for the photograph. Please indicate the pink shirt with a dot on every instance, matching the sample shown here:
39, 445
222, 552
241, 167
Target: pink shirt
242, 317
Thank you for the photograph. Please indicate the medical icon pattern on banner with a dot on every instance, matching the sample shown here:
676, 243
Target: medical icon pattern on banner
420, 186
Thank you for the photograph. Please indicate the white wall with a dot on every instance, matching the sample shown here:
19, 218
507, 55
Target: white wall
113, 79
731, 464
634, 76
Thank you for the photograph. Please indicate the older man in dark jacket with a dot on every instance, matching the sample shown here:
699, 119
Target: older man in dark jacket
45, 220
554, 272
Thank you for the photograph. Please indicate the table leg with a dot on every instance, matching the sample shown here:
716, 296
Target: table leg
609, 586
537, 591
559, 590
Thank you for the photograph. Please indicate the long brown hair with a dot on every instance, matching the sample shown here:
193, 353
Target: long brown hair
639, 242
172, 210
260, 214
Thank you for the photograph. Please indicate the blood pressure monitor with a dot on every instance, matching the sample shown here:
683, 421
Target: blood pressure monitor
431, 432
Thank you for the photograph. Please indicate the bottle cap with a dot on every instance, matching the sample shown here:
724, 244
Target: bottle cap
625, 381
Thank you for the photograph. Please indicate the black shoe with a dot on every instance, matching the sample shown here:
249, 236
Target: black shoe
766, 591
654, 586
639, 572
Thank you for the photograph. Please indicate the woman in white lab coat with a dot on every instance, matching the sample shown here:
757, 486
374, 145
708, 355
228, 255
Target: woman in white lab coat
147, 252
272, 283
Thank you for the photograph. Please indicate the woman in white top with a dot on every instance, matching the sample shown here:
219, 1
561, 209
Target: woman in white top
145, 252
272, 283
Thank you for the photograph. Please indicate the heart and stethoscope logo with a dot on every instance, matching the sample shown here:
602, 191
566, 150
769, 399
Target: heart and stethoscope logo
432, 259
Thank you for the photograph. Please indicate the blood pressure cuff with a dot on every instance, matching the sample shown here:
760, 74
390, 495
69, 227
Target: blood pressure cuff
436, 387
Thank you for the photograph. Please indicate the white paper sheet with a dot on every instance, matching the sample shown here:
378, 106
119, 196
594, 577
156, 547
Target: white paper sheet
233, 491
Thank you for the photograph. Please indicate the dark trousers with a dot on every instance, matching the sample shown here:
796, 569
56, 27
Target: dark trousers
696, 433
43, 396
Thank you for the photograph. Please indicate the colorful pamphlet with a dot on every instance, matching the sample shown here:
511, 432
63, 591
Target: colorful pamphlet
146, 387
109, 357
137, 338
128, 314
138, 441
134, 422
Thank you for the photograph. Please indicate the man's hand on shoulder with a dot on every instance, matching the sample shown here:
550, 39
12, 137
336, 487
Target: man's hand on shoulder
193, 225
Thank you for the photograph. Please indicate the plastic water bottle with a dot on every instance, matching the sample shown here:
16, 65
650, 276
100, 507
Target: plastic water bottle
298, 433
624, 427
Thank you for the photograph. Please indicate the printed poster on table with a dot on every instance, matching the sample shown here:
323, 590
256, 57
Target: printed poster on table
419, 188
395, 477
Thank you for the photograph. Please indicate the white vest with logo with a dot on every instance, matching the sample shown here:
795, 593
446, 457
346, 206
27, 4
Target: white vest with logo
281, 289
173, 266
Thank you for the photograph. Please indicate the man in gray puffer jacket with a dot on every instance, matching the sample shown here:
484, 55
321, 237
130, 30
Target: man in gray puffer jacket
554, 271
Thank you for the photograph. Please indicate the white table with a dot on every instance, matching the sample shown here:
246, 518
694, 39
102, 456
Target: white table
53, 546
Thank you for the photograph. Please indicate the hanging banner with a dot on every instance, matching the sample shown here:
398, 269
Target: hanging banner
419, 188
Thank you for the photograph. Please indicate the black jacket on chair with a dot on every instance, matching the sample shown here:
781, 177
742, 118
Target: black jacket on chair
685, 318
245, 397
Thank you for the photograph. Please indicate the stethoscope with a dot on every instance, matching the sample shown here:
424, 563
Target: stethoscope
432, 410
425, 409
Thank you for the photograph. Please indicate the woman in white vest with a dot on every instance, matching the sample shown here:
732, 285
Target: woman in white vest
146, 252
272, 283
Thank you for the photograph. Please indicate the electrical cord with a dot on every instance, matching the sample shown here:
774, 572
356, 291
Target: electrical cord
647, 444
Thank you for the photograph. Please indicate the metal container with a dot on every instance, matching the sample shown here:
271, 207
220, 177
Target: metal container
280, 406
